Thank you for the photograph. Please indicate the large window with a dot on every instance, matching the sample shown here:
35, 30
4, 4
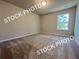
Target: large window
62, 22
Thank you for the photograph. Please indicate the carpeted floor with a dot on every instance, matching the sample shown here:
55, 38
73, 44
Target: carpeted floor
26, 47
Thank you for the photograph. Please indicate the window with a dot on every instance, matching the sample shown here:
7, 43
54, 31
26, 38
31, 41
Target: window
62, 22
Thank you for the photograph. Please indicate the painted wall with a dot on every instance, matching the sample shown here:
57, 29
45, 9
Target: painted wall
77, 24
49, 22
23, 26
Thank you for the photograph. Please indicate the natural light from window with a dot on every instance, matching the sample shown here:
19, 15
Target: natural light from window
62, 22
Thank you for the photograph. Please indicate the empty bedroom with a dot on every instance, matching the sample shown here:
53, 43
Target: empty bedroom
39, 29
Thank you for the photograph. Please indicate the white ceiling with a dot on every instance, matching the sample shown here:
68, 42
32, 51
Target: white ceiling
53, 5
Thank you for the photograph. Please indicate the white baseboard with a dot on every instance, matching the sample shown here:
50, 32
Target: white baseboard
18, 37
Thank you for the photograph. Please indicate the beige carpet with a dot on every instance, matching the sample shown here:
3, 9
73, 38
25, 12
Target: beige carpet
25, 48
61, 52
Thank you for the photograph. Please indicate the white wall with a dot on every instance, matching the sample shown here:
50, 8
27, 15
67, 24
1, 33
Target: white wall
49, 22
77, 24
23, 26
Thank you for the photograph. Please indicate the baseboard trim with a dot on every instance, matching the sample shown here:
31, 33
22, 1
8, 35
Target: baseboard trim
17, 37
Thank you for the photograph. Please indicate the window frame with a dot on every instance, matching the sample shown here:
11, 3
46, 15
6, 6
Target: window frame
68, 22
